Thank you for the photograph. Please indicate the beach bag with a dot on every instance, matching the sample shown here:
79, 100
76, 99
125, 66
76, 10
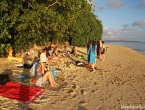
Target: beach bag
78, 63
54, 74
4, 79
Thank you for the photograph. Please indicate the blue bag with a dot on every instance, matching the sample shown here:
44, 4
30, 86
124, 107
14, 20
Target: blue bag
53, 74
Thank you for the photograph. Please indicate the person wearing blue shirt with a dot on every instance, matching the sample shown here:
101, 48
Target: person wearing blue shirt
92, 54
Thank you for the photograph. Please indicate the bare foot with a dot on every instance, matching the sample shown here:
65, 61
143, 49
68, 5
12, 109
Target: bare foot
92, 70
56, 84
52, 85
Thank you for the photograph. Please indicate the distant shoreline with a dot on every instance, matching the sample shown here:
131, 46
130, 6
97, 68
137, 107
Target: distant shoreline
134, 45
122, 41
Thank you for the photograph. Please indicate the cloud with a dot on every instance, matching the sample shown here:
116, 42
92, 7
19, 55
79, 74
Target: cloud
110, 33
112, 37
141, 5
126, 25
128, 34
114, 4
99, 8
128, 29
93, 1
139, 23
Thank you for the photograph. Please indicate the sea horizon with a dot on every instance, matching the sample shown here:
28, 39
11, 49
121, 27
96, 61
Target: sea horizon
138, 46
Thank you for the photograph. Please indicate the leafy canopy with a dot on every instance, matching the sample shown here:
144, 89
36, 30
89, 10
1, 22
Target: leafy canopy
28, 22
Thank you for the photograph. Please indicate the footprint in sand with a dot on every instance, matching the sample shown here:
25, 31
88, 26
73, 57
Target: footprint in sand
82, 91
95, 83
74, 94
82, 102
67, 90
74, 86
95, 91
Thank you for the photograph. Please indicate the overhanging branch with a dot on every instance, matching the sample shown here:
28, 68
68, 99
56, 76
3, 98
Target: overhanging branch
52, 4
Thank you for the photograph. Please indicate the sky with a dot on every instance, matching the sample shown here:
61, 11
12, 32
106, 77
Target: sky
121, 19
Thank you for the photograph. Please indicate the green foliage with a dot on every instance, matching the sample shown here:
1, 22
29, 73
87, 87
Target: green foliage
86, 28
28, 22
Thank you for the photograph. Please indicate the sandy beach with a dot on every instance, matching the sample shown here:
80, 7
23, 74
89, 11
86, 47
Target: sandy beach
118, 82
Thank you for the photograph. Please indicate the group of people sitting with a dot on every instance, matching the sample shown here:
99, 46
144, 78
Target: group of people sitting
47, 56
54, 54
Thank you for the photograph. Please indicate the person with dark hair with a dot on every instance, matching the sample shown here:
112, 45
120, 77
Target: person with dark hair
50, 58
43, 54
74, 51
99, 45
102, 57
50, 46
88, 44
92, 54
65, 51
58, 54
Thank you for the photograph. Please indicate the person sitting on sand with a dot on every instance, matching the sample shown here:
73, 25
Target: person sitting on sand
74, 51
49, 58
43, 74
43, 54
50, 46
50, 52
57, 53
66, 52
102, 56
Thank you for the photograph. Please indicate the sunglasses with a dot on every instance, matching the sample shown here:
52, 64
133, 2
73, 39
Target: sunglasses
44, 62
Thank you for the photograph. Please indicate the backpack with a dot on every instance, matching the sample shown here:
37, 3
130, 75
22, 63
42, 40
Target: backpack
4, 78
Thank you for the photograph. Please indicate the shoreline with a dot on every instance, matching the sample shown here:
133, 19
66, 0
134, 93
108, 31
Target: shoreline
137, 46
118, 81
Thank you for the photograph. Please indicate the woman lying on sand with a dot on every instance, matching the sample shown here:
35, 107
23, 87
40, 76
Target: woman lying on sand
58, 54
42, 77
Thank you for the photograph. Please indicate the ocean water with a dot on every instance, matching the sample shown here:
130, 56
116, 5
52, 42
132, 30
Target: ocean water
137, 46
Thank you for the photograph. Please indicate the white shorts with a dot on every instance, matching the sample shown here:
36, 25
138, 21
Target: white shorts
39, 82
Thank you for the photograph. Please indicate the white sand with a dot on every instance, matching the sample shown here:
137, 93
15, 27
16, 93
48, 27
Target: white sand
118, 81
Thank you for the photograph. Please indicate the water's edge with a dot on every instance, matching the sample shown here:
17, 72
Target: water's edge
137, 46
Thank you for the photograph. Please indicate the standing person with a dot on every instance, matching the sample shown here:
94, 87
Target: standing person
92, 54
103, 51
99, 46
88, 45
